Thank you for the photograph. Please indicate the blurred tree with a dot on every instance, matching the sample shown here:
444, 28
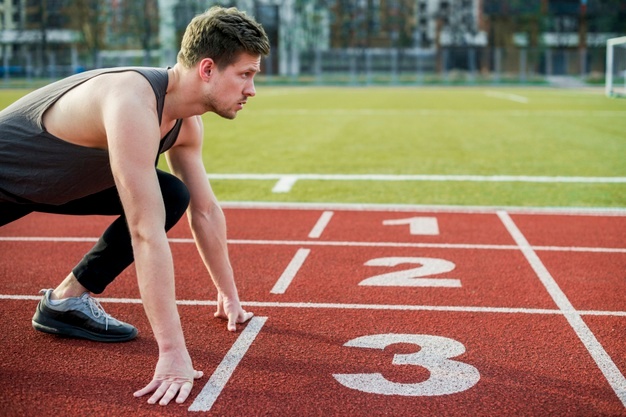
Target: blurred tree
89, 18
140, 24
607, 16
507, 17
184, 11
311, 14
372, 23
458, 18
37, 19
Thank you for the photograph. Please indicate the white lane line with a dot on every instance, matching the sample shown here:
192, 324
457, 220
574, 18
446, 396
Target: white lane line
430, 208
579, 249
507, 96
213, 388
290, 273
596, 350
321, 224
339, 306
338, 243
288, 243
46, 239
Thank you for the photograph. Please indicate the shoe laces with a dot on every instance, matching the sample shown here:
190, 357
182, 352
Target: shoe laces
98, 311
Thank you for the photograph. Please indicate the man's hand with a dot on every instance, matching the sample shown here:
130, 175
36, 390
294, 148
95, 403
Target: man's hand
174, 374
230, 309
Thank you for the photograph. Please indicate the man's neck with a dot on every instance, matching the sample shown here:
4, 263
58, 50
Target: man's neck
182, 98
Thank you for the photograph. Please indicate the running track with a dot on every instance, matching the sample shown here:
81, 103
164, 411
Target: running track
359, 311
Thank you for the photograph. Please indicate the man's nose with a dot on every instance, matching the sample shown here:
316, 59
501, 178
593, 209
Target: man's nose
249, 91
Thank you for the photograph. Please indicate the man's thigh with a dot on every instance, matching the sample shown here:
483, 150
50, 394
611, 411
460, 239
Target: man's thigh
105, 202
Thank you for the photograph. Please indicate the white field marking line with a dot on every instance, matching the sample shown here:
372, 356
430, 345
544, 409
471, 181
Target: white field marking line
337, 244
213, 388
321, 224
285, 184
340, 306
419, 177
433, 112
394, 208
281, 92
507, 96
287, 181
290, 272
602, 359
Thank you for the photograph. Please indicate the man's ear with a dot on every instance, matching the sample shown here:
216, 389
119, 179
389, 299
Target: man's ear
206, 67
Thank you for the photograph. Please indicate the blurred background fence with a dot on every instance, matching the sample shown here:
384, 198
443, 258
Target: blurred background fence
354, 42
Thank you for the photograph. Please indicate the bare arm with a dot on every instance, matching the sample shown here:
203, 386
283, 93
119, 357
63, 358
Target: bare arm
207, 220
132, 129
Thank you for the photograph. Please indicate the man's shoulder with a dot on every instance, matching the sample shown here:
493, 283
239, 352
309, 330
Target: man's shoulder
155, 76
119, 85
146, 70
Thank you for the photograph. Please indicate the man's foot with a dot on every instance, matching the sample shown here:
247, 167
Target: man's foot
81, 317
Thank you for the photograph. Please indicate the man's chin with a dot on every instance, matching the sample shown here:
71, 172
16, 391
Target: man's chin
229, 116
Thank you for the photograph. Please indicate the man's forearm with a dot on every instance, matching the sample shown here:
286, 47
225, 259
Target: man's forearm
155, 276
209, 232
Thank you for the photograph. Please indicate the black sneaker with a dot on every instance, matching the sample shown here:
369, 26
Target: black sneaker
81, 317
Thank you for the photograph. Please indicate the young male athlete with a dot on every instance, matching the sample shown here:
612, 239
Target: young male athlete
88, 145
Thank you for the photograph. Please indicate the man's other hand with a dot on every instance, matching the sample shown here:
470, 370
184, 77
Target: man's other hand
231, 310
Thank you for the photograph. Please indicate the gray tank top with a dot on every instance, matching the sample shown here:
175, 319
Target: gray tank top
37, 167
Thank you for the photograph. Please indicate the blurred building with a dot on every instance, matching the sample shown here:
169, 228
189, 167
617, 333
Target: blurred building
312, 38
556, 36
50, 38
34, 37
534, 36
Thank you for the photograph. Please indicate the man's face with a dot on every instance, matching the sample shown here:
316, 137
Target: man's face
231, 87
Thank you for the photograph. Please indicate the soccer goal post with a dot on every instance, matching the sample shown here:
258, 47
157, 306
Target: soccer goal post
615, 80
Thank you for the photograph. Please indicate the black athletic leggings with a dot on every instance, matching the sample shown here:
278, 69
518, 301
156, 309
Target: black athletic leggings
113, 252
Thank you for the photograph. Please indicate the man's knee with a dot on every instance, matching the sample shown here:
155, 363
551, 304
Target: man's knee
175, 197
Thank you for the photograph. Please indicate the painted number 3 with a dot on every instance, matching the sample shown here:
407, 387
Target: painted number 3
446, 376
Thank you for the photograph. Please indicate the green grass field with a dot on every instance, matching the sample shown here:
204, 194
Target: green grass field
480, 131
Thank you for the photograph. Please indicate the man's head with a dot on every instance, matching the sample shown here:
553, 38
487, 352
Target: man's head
222, 35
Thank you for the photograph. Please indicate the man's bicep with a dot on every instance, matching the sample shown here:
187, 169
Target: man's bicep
132, 136
133, 139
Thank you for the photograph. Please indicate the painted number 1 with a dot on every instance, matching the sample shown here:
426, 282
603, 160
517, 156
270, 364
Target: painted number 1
446, 376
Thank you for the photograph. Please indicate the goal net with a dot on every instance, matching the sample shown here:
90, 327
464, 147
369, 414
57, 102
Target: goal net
616, 67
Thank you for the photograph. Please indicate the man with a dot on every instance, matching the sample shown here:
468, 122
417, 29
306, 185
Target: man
88, 144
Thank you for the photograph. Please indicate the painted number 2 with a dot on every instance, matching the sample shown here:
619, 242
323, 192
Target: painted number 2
446, 376
413, 277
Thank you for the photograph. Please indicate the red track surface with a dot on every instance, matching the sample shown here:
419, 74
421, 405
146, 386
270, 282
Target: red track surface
531, 330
